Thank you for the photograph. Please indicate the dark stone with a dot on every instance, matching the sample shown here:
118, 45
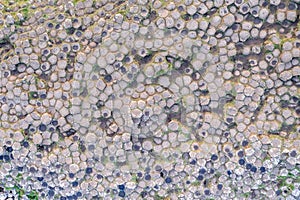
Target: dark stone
40, 147
245, 8
206, 192
229, 119
253, 169
240, 154
219, 186
54, 122
153, 15
136, 147
180, 8
292, 6
60, 16
262, 169
287, 128
293, 153
84, 92
278, 192
45, 76
284, 103
214, 157
43, 96
195, 75
200, 177
25, 144
32, 169
202, 171
173, 115
196, 147
204, 37
168, 180
296, 80
241, 161
50, 25
183, 32
158, 168
91, 147
229, 98
281, 5
286, 23
42, 127
143, 194
186, 156
70, 31
70, 132
9, 149
196, 16
136, 18
75, 184
295, 99
99, 104
108, 78
245, 143
265, 4
254, 12
205, 109
147, 177
82, 146
79, 194
122, 194
6, 158
144, 60
204, 92
186, 17
99, 176
78, 33
65, 49
273, 8
75, 47
89, 170
234, 26
170, 59
185, 64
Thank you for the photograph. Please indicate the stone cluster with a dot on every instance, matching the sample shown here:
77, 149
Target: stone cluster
149, 99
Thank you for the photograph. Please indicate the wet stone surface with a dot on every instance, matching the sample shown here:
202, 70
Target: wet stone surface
149, 99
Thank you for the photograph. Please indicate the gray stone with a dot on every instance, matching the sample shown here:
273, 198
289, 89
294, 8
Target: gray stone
202, 9
52, 59
287, 46
81, 57
286, 56
164, 81
285, 76
191, 10
215, 21
37, 138
263, 13
229, 19
203, 25
244, 35
192, 25
10, 20
291, 15
280, 16
218, 3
